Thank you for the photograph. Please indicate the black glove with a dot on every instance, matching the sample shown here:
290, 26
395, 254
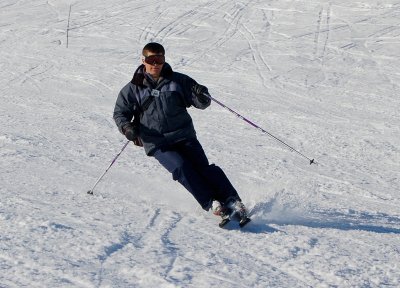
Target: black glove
130, 131
199, 91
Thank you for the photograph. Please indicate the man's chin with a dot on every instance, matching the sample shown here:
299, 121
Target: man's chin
155, 73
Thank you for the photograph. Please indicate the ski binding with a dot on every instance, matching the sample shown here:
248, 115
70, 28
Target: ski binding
236, 217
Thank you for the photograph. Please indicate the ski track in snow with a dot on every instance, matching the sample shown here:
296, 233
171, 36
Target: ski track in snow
322, 76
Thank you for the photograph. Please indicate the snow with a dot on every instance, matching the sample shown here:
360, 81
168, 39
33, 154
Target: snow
323, 76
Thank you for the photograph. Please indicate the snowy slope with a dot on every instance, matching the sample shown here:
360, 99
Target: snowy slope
321, 75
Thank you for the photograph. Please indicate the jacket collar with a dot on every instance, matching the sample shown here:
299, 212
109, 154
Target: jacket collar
139, 78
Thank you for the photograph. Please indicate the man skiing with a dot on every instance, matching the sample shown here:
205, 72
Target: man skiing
151, 111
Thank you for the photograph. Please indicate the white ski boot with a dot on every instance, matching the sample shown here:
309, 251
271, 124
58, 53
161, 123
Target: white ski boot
235, 210
220, 210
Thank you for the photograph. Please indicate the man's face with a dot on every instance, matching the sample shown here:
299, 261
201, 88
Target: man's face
153, 63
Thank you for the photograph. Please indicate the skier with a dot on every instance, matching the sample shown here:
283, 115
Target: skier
151, 111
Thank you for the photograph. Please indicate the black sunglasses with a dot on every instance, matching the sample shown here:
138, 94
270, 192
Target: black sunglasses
154, 59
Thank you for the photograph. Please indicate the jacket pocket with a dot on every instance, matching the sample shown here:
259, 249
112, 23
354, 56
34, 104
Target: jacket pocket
173, 104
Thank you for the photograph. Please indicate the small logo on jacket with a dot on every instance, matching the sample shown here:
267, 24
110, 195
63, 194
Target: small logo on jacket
155, 93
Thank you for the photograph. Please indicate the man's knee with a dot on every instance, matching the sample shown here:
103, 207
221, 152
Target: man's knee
214, 170
180, 172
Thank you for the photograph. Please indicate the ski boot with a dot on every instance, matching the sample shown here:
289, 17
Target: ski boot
238, 212
221, 211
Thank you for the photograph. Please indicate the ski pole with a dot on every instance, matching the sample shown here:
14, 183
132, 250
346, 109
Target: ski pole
112, 162
259, 128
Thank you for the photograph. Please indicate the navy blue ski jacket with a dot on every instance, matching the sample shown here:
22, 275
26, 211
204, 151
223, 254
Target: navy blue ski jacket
158, 108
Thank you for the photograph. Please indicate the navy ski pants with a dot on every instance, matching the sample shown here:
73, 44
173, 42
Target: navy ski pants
188, 164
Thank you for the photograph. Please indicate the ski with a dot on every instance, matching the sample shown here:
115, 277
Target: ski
242, 221
224, 222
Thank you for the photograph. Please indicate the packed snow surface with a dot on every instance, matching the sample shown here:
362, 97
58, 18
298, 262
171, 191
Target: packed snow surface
323, 76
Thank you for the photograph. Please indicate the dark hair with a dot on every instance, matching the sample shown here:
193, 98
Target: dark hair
153, 47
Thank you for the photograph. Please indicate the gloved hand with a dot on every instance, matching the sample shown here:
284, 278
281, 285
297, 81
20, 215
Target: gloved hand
199, 91
130, 131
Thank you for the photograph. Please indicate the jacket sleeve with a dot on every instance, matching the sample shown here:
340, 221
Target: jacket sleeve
190, 98
124, 107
